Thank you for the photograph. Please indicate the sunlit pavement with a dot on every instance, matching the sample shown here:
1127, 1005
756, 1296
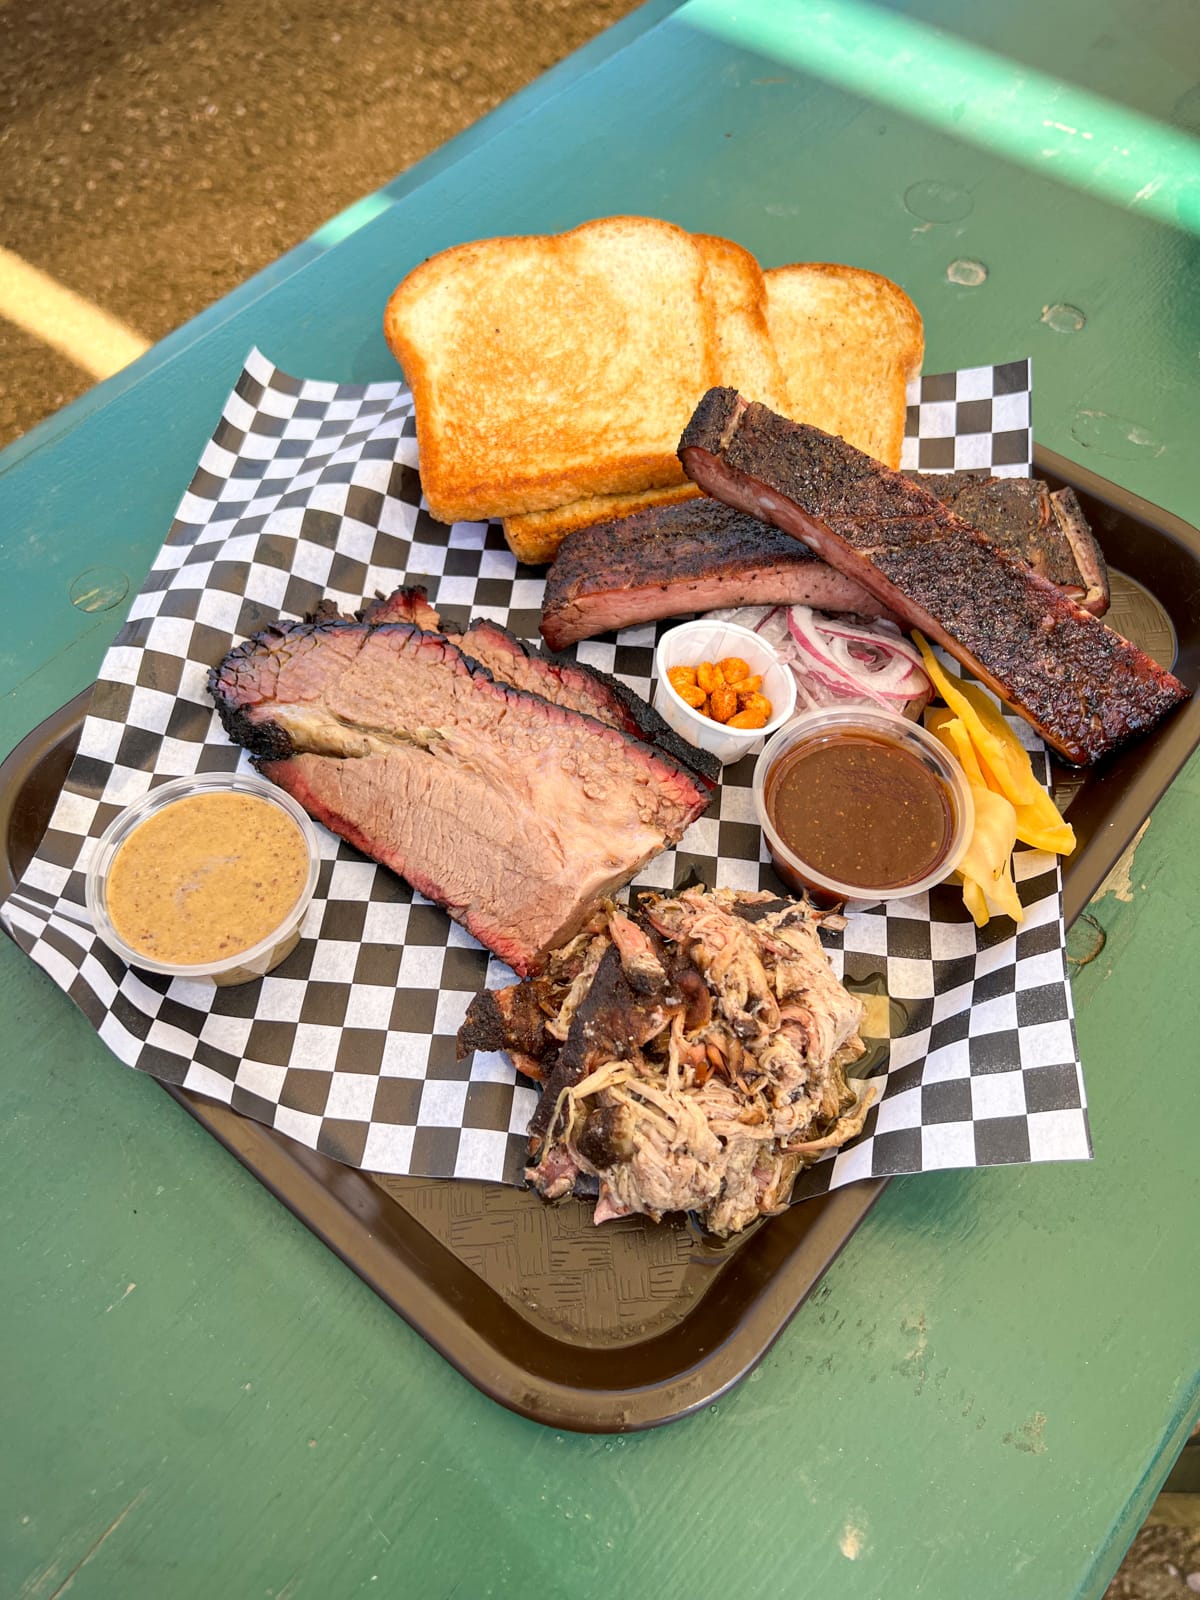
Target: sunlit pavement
156, 153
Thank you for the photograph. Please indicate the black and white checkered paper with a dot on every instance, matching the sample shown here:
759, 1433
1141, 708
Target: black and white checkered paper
309, 491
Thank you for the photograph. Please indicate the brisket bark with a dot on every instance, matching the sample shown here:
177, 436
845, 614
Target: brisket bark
513, 813
580, 688
1082, 686
403, 605
557, 679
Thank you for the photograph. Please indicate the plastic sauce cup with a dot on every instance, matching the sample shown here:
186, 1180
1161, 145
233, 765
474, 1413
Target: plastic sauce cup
819, 726
244, 965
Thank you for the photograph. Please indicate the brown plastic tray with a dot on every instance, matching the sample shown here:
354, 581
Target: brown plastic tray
626, 1326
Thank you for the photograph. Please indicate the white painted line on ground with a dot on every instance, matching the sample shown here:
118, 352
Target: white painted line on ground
86, 335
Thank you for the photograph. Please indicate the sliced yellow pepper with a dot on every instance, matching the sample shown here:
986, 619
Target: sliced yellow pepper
997, 745
952, 731
1001, 759
976, 902
1042, 826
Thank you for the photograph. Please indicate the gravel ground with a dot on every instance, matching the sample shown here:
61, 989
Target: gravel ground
155, 153
1163, 1564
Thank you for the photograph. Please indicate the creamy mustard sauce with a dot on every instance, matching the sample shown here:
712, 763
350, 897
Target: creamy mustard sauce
206, 877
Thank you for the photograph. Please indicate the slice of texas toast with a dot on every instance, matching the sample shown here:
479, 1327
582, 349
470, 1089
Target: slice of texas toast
746, 359
848, 342
746, 356
551, 368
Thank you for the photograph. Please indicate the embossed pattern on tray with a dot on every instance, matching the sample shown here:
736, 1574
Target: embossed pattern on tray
628, 1280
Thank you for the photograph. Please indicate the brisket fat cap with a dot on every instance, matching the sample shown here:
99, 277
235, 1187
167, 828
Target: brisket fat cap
1082, 686
513, 813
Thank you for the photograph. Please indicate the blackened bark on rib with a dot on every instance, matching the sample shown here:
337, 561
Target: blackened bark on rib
1084, 687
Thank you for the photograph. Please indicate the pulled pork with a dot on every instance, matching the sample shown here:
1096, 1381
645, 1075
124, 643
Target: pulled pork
692, 1053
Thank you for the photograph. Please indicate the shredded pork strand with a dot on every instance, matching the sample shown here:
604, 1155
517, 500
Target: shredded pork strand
701, 1070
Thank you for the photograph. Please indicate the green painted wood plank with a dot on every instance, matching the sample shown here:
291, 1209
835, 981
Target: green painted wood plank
981, 96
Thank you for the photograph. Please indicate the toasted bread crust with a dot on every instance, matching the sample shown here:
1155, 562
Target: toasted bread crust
848, 341
746, 357
546, 369
535, 537
552, 374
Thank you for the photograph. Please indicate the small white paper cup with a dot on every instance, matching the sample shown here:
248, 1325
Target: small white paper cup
694, 642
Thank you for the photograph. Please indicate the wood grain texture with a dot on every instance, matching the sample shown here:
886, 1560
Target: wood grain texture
984, 1393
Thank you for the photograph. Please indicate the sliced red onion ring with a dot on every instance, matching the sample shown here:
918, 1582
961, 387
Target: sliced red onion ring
836, 660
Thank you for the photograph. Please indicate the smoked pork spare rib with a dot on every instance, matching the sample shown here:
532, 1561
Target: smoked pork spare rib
669, 560
1081, 685
701, 555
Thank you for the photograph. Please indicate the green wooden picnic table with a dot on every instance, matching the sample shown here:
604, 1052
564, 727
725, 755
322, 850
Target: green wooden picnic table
990, 1384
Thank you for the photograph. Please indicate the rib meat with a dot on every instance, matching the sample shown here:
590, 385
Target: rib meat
706, 556
1021, 515
1082, 686
515, 814
695, 556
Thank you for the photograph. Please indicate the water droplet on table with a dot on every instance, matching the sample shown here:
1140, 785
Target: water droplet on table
99, 589
1185, 113
935, 201
1063, 318
1109, 435
970, 274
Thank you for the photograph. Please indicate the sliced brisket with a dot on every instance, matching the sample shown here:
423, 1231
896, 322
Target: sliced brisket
1084, 687
580, 688
513, 813
402, 605
562, 681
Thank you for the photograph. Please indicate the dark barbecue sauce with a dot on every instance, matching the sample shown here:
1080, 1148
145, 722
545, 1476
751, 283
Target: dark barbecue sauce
861, 810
